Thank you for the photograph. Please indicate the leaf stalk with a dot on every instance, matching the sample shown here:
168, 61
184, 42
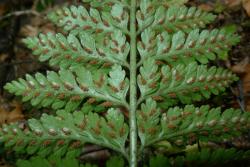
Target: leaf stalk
133, 87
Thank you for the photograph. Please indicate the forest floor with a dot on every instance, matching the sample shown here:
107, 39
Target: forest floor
22, 18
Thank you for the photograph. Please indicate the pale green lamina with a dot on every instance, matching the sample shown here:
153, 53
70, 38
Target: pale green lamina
172, 18
68, 89
102, 100
200, 46
77, 50
68, 130
76, 19
182, 126
182, 83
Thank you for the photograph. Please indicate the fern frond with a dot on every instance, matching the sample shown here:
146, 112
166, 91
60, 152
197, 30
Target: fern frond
172, 19
177, 18
181, 83
148, 121
168, 51
205, 157
168, 3
77, 19
177, 48
68, 90
51, 131
106, 5
76, 50
188, 125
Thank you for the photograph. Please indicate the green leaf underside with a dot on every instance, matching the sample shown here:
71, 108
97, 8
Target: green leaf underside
68, 89
186, 84
77, 19
92, 56
170, 2
177, 48
205, 157
67, 130
187, 125
107, 4
171, 19
83, 49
